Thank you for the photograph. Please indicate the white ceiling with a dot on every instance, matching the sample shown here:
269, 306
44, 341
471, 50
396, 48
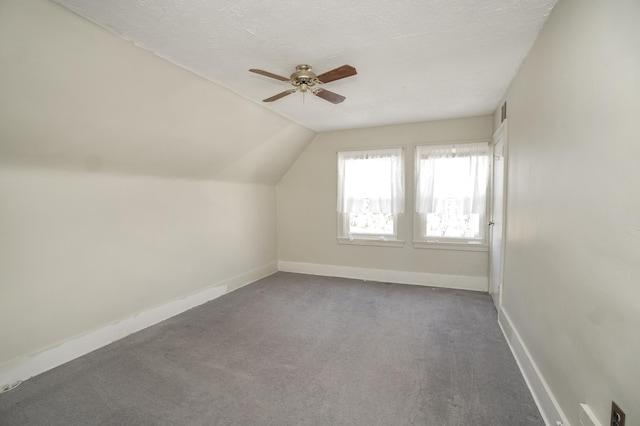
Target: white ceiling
417, 60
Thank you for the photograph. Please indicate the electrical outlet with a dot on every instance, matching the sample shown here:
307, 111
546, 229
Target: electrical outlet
617, 415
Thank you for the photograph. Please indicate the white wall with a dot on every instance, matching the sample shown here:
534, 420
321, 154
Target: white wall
76, 96
126, 184
572, 272
81, 251
307, 211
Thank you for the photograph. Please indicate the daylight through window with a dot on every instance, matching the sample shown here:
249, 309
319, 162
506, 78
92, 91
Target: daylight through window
451, 186
370, 193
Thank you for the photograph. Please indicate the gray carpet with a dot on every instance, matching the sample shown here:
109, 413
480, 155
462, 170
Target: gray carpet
296, 349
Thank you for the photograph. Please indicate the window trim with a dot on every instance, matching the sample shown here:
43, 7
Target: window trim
419, 220
371, 242
446, 245
384, 240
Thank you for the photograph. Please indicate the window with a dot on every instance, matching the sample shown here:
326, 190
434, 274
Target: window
451, 188
370, 195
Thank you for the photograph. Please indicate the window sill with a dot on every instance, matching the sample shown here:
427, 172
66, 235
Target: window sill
371, 242
451, 246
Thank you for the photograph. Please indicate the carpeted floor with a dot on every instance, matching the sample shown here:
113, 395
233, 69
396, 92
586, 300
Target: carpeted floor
296, 349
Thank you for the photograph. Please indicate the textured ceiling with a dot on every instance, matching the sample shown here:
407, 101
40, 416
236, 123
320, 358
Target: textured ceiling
417, 60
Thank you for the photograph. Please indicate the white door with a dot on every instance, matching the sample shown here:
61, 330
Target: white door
496, 221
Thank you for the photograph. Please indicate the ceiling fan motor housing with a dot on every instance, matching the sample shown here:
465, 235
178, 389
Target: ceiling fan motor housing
304, 77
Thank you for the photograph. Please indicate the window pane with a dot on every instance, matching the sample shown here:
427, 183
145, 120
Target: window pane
370, 193
451, 187
366, 222
453, 224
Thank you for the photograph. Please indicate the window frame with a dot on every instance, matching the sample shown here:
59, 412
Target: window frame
372, 239
419, 219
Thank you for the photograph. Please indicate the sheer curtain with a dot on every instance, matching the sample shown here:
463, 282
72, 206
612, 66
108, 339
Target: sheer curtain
376, 176
452, 171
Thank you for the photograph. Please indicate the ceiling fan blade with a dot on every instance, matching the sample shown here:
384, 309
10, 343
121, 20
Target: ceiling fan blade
337, 74
334, 98
269, 74
279, 95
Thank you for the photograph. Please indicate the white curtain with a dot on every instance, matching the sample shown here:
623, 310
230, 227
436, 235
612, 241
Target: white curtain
445, 171
373, 175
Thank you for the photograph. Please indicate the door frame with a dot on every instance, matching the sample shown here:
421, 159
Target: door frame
501, 132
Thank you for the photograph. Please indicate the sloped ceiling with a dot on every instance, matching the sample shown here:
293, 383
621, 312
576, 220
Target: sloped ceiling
417, 60
75, 96
79, 96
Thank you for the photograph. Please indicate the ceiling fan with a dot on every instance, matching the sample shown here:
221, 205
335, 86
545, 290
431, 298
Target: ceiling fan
305, 80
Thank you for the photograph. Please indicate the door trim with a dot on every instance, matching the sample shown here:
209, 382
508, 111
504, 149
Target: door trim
502, 132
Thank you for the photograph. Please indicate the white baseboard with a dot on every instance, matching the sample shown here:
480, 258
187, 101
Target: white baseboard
546, 402
385, 275
28, 366
586, 416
